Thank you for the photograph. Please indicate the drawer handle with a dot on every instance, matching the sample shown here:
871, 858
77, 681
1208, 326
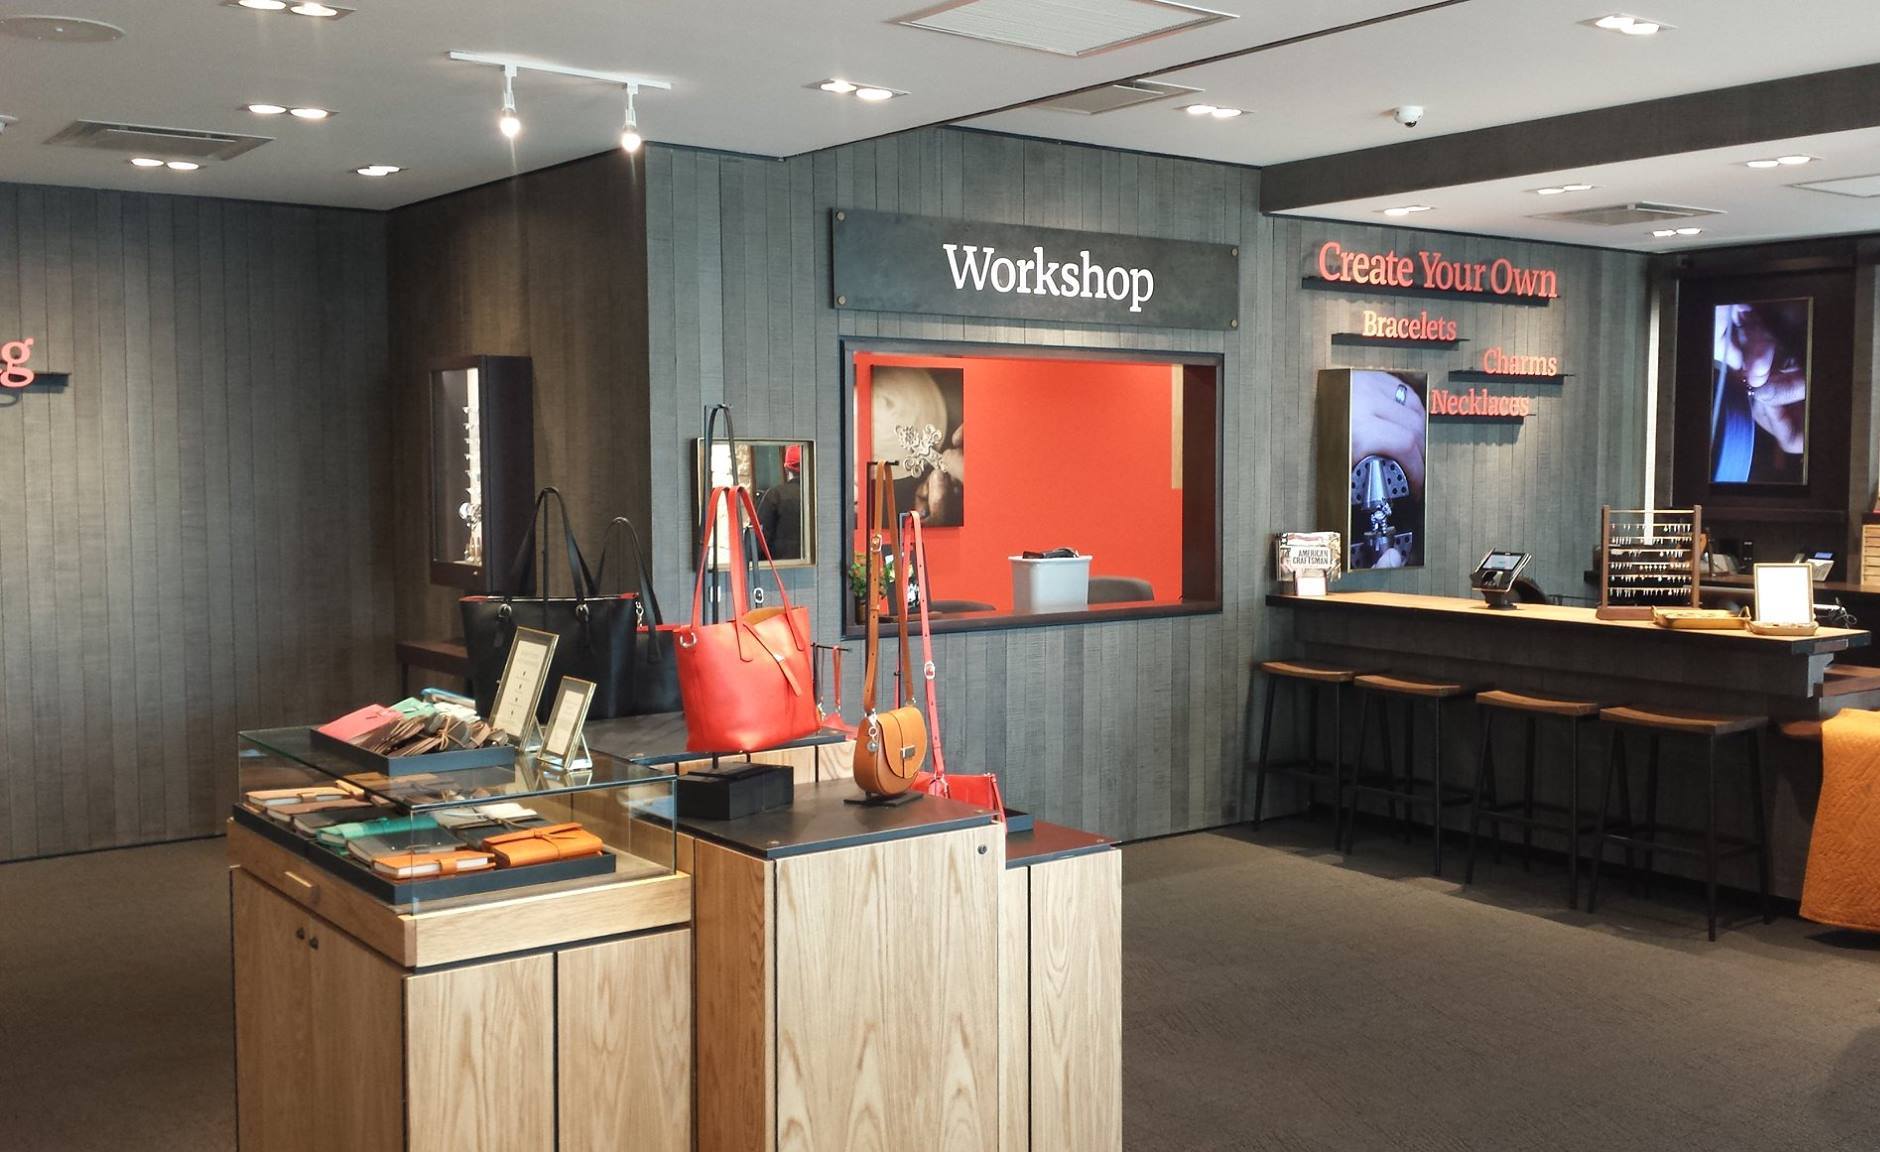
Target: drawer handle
309, 890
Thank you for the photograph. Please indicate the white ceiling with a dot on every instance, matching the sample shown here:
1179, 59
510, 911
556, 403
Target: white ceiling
738, 70
1757, 204
1473, 65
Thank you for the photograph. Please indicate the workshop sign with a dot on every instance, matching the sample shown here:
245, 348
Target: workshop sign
891, 262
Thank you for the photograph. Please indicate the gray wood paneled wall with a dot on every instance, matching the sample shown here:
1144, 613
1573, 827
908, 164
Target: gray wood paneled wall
1131, 728
551, 265
192, 534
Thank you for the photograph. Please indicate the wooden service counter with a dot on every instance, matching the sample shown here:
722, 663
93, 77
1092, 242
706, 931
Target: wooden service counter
1570, 652
1566, 651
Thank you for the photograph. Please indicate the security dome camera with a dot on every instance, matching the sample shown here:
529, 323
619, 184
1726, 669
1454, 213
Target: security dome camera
1410, 115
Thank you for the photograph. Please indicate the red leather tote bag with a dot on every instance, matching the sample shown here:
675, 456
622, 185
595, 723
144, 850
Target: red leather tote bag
746, 681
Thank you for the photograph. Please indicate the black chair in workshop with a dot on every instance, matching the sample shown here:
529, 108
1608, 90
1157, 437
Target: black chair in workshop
1435, 793
1529, 815
1313, 680
1705, 845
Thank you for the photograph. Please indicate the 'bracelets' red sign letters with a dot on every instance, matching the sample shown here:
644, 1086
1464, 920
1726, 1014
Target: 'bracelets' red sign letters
13, 357
1422, 326
1434, 271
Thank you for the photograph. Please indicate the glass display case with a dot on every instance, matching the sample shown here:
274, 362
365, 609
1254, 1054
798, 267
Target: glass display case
482, 469
474, 833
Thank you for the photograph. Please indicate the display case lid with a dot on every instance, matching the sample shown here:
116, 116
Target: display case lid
424, 792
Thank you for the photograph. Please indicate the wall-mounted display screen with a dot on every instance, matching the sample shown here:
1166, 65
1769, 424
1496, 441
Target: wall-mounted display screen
1374, 441
1759, 391
1112, 457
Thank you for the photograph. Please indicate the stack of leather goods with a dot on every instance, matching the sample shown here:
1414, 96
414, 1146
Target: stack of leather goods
418, 735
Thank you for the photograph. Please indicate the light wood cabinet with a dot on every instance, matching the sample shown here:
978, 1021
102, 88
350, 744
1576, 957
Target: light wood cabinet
337, 1047
1061, 1037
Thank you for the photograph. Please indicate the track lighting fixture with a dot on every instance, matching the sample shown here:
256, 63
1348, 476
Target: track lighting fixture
510, 122
630, 138
507, 121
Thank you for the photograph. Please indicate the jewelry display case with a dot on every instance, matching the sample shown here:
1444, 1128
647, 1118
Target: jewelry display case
418, 837
482, 469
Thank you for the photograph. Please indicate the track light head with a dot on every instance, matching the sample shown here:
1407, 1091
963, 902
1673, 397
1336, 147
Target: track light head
507, 121
630, 138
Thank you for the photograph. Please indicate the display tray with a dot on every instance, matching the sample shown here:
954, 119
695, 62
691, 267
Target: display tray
502, 756
441, 888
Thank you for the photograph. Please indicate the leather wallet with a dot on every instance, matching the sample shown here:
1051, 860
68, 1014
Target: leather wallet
263, 799
340, 834
543, 845
357, 723
417, 865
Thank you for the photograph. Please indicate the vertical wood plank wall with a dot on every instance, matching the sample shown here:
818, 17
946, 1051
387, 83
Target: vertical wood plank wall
1132, 728
550, 265
192, 534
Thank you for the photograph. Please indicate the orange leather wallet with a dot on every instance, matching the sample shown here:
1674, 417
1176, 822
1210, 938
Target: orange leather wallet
542, 845
416, 865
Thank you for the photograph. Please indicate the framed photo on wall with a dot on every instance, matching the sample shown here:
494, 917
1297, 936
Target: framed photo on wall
918, 421
1759, 366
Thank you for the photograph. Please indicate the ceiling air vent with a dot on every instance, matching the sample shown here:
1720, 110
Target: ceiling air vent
1111, 97
1616, 215
1063, 27
1863, 187
165, 143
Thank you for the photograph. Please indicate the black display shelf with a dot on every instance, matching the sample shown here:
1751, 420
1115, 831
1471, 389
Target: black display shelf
1319, 284
1360, 340
1438, 417
1472, 376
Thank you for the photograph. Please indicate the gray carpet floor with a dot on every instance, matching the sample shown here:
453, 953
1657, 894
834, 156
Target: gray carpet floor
1275, 997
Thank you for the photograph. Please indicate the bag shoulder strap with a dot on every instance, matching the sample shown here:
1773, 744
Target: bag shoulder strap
917, 558
580, 578
649, 597
879, 543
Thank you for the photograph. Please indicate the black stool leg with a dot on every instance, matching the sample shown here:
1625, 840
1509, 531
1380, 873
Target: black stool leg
1651, 813
1266, 746
1762, 822
1312, 692
1573, 813
1615, 750
1436, 787
1409, 784
1710, 834
1338, 761
1527, 795
1483, 758
1357, 769
1625, 805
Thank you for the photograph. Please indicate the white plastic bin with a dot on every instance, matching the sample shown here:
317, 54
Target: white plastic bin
1061, 585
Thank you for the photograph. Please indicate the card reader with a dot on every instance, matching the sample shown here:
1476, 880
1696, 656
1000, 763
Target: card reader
1494, 577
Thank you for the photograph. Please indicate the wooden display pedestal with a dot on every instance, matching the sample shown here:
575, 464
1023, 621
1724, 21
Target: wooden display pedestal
558, 1019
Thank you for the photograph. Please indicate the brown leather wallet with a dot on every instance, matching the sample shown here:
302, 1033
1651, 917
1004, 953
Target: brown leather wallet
418, 865
542, 845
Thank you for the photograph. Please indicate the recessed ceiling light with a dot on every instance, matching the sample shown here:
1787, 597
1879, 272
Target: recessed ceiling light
874, 95
1760, 164
267, 109
146, 162
1406, 209
1548, 191
263, 5
311, 113
1779, 161
291, 7
1227, 113
839, 87
1200, 109
1667, 233
314, 10
1627, 25
1576, 187
1688, 231
378, 170
182, 165
1795, 159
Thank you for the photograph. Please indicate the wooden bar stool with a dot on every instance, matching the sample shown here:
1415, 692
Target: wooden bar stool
1380, 689
1695, 726
1313, 680
1524, 812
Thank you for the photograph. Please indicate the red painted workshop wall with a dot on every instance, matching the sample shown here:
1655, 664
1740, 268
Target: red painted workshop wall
1059, 453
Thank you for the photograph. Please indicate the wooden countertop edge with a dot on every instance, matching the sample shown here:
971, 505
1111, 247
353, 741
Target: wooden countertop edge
512, 923
1828, 640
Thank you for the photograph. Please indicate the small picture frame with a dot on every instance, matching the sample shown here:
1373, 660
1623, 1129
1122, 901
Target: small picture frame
566, 720
519, 692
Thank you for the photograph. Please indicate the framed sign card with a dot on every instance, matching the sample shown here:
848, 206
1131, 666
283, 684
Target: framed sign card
519, 692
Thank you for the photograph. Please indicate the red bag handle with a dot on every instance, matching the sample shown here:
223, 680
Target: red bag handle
917, 553
738, 502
